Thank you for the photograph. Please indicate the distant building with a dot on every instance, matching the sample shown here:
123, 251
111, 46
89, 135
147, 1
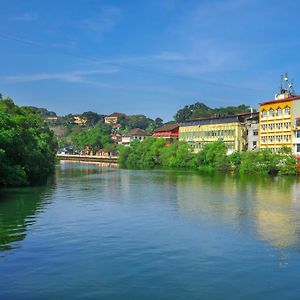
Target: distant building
280, 120
229, 129
170, 132
79, 120
116, 138
113, 118
252, 127
134, 134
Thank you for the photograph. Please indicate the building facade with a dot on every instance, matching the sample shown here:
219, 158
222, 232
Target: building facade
113, 118
280, 123
252, 126
229, 129
169, 132
134, 134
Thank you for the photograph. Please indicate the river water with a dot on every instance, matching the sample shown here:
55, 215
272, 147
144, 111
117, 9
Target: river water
98, 232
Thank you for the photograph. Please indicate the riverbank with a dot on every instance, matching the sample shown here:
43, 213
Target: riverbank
154, 153
88, 158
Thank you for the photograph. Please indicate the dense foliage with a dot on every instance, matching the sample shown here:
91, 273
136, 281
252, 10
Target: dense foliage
200, 110
94, 138
27, 146
154, 153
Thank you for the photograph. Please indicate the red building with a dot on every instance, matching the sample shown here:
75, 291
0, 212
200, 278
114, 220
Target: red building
170, 132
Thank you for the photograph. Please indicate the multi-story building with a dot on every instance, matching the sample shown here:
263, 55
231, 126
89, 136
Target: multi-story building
280, 121
252, 126
230, 129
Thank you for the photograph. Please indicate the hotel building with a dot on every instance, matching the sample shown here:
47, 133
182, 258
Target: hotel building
232, 130
280, 121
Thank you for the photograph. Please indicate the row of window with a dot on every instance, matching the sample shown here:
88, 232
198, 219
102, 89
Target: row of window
212, 133
277, 112
278, 126
274, 149
199, 145
276, 138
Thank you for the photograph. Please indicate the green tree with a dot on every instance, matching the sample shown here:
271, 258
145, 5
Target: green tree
27, 146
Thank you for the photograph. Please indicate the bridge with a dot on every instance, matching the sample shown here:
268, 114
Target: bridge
90, 158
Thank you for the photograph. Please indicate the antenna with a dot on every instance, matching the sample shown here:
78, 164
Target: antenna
281, 79
291, 86
286, 79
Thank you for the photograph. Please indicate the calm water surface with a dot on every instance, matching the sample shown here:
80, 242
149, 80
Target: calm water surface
102, 233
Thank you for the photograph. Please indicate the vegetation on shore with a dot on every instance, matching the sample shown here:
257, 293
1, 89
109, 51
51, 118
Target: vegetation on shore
154, 153
27, 146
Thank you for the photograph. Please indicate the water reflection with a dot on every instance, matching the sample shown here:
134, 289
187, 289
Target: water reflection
271, 205
19, 209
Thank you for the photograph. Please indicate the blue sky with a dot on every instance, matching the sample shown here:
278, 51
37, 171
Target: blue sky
141, 56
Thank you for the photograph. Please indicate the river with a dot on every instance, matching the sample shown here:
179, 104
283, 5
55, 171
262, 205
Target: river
99, 232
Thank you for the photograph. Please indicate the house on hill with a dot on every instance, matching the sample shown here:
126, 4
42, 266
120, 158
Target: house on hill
170, 132
113, 118
134, 134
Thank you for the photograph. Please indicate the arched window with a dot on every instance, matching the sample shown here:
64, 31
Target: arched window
263, 113
271, 112
279, 111
287, 110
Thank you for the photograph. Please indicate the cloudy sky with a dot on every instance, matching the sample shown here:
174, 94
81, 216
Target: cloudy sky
150, 57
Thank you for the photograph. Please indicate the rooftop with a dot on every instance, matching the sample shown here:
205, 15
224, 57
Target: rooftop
281, 100
167, 127
137, 132
220, 119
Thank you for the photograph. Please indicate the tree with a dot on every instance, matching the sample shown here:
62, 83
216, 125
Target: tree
138, 121
200, 110
158, 122
27, 146
92, 118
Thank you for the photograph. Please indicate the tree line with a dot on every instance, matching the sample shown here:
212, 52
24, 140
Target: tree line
154, 153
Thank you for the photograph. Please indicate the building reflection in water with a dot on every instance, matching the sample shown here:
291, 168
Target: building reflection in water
269, 207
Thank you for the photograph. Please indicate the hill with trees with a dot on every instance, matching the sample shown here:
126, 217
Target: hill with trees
200, 110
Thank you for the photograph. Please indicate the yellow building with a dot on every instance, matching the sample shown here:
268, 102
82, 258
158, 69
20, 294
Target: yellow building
229, 129
279, 123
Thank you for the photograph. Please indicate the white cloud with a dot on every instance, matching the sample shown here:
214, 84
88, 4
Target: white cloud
75, 76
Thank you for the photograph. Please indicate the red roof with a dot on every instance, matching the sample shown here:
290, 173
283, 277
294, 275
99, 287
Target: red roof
167, 127
281, 100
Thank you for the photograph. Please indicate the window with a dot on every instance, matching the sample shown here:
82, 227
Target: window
278, 111
298, 134
298, 148
263, 113
255, 132
271, 112
287, 110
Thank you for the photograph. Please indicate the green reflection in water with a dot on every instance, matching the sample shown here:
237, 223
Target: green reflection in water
18, 210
